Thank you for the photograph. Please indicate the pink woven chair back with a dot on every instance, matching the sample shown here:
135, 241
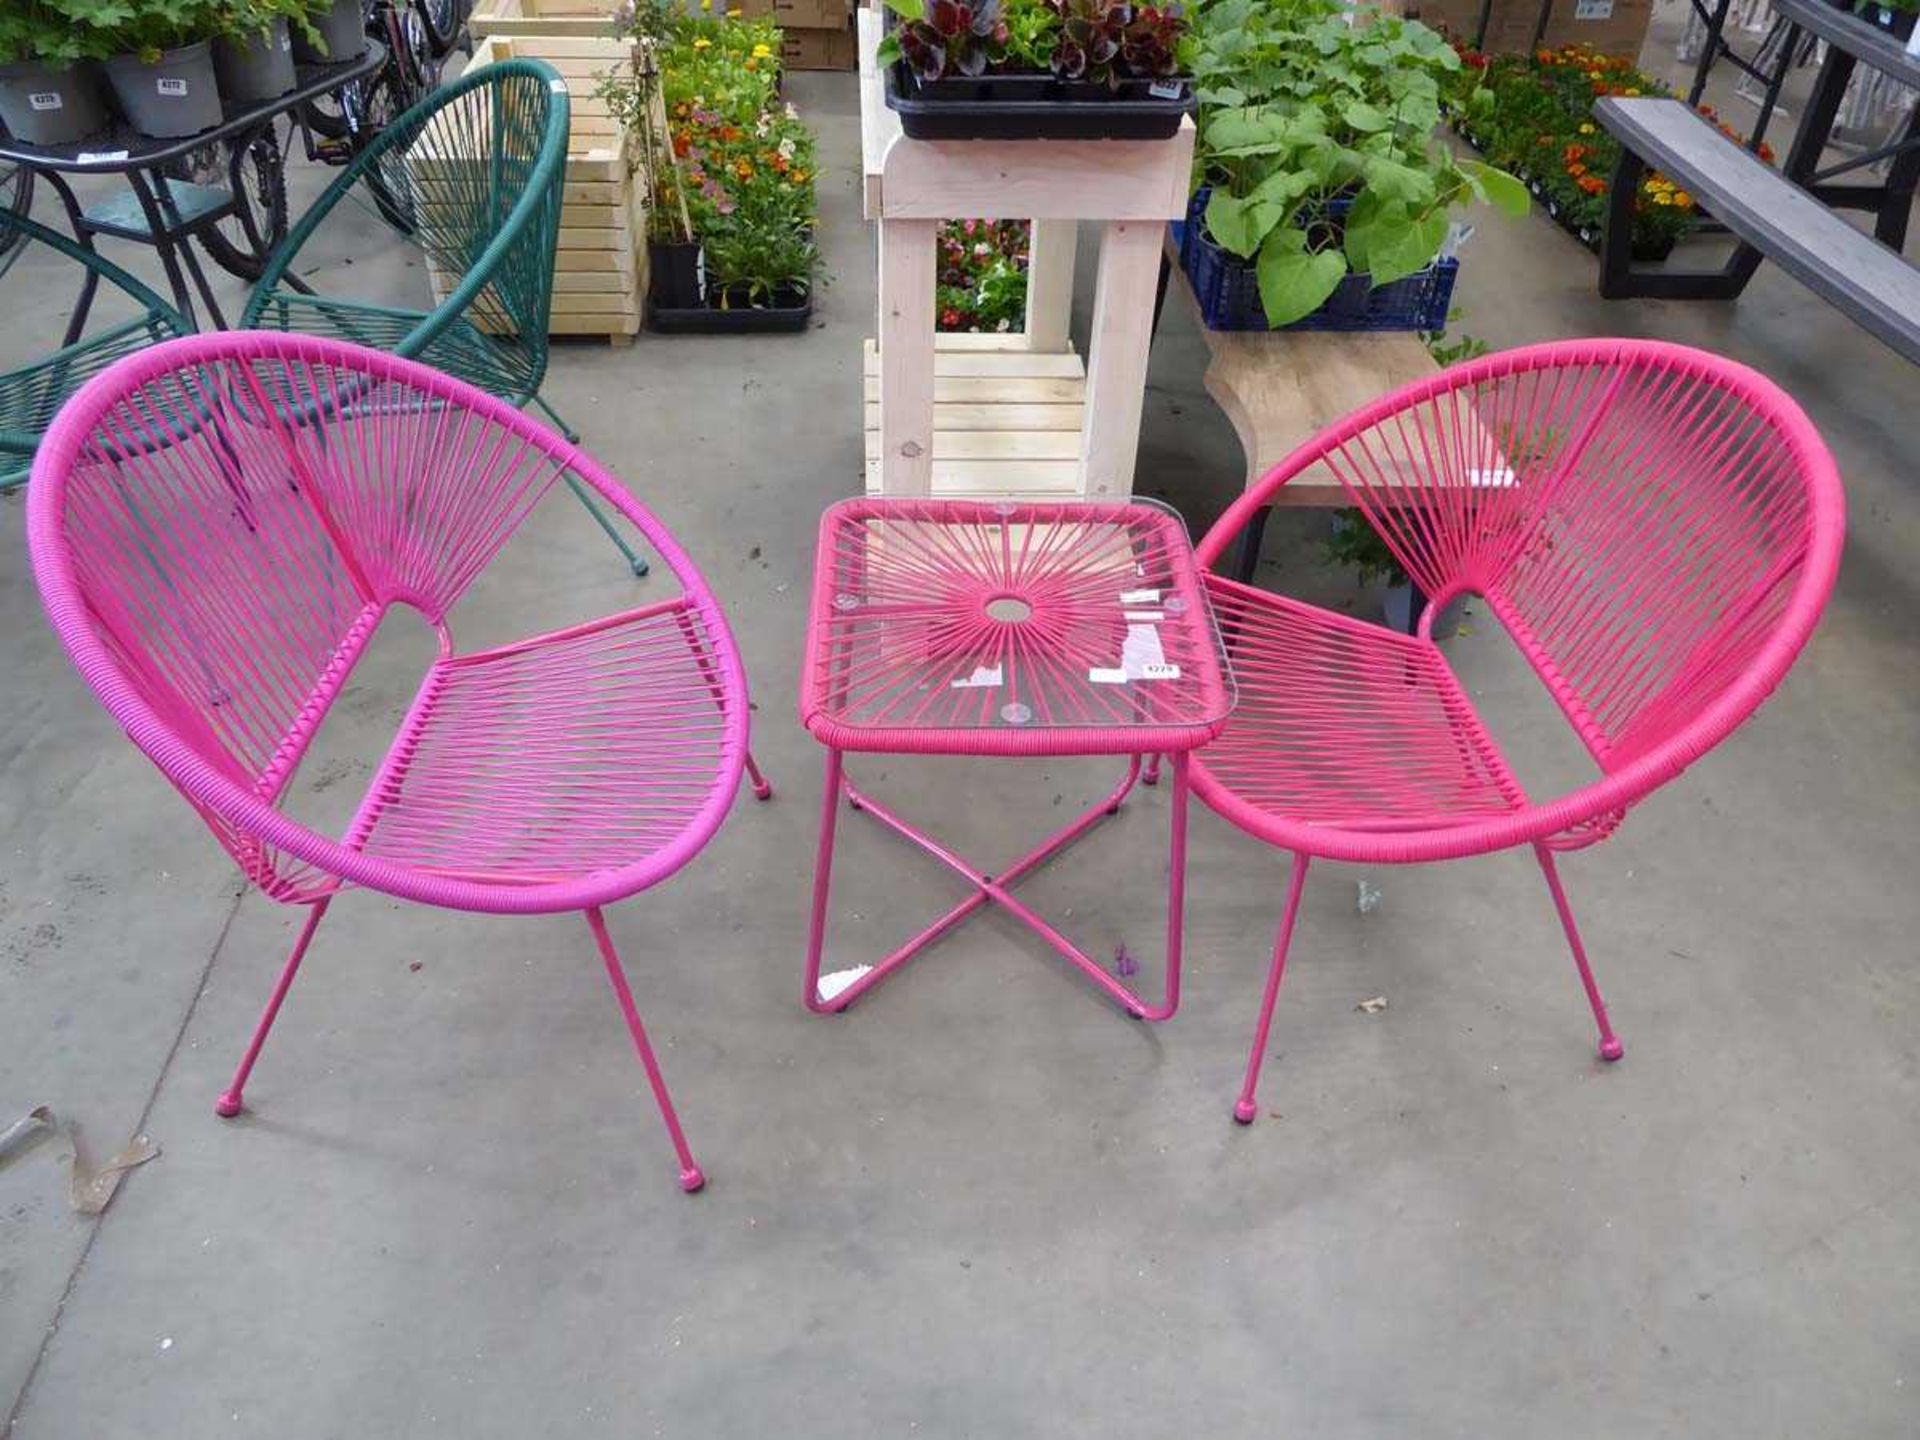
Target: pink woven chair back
219, 525
1639, 516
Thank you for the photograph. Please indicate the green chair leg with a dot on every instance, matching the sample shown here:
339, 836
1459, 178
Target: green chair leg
634, 561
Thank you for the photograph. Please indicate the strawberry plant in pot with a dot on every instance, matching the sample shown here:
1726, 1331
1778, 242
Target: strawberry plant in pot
1323, 176
161, 68
253, 46
1026, 69
49, 85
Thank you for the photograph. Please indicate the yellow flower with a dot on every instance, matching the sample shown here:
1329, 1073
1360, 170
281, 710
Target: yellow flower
1683, 199
1586, 129
798, 177
702, 43
706, 4
1633, 90
1663, 198
763, 52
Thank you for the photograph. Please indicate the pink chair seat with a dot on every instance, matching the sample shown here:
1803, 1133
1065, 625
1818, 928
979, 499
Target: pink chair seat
585, 751
1342, 725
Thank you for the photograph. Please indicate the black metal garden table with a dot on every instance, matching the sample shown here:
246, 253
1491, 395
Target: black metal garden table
1851, 42
165, 211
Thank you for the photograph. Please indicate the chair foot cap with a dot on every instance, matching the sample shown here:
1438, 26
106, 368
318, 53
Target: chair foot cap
228, 1106
1244, 1111
692, 1179
763, 791
640, 568
1611, 1050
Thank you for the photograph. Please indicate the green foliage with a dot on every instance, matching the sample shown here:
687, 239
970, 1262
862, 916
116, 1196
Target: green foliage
1033, 32
45, 30
141, 27
1300, 107
253, 19
1353, 542
1104, 42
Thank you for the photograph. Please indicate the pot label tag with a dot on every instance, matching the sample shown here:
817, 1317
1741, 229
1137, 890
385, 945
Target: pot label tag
171, 85
100, 157
1593, 9
1173, 89
46, 100
983, 677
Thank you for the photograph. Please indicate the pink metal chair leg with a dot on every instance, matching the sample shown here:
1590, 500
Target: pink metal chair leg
1610, 1046
231, 1101
1151, 775
1245, 1109
762, 789
822, 878
691, 1177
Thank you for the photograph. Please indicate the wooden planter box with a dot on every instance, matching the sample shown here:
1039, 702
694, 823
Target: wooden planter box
577, 19
600, 265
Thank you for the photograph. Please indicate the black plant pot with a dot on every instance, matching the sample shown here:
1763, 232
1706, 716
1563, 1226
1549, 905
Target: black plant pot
1036, 107
676, 274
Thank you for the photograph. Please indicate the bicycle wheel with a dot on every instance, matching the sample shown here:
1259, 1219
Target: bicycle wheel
16, 195
241, 243
443, 19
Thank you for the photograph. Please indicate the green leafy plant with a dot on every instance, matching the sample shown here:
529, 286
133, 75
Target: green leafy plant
46, 31
1033, 30
253, 19
145, 28
1300, 109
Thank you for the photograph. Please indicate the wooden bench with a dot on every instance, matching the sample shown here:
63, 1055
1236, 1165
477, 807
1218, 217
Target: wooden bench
1773, 217
1280, 388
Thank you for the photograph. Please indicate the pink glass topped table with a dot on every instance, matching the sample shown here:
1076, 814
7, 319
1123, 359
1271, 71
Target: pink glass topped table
974, 628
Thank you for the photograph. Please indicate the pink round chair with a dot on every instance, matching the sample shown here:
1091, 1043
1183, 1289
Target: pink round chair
1657, 529
218, 526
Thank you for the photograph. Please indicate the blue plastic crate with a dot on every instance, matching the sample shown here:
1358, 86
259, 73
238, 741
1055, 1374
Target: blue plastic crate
1229, 292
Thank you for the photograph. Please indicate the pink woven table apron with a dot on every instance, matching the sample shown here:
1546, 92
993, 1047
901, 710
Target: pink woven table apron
950, 627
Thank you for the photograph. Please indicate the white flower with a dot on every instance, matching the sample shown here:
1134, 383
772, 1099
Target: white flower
786, 148
983, 248
1004, 326
792, 114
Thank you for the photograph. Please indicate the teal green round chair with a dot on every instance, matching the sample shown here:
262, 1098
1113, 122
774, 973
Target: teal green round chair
31, 394
473, 175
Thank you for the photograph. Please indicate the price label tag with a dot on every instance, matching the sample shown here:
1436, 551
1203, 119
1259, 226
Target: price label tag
1159, 670
171, 85
100, 157
1173, 89
1593, 9
47, 100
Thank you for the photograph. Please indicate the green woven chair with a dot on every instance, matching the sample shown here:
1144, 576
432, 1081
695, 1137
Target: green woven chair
473, 175
30, 395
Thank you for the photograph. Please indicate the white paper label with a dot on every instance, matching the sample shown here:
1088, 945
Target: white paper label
1140, 649
1145, 617
286, 41
1491, 479
557, 85
100, 157
1107, 677
1166, 90
983, 676
1162, 671
1139, 597
46, 100
171, 85
1593, 9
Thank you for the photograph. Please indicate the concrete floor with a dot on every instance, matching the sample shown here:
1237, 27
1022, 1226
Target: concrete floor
983, 1203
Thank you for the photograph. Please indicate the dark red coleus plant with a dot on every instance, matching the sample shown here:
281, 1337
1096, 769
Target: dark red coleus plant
1106, 42
953, 38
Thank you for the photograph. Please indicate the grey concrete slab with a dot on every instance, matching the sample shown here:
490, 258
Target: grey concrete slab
983, 1203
